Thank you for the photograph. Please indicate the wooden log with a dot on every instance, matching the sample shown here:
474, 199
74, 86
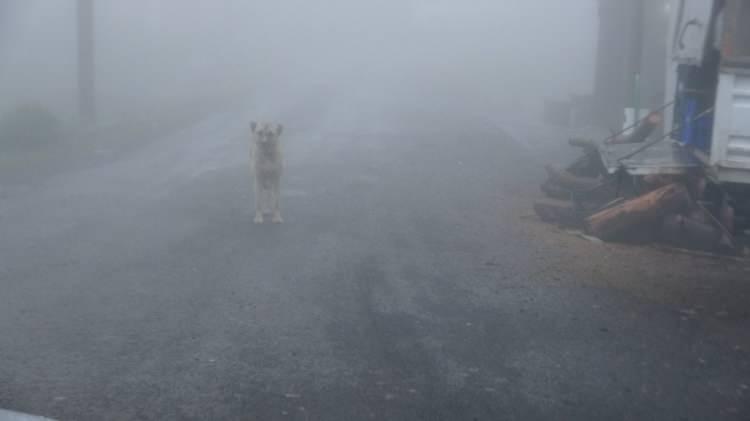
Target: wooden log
641, 213
562, 212
554, 191
588, 165
571, 182
611, 204
688, 233
726, 216
656, 181
580, 165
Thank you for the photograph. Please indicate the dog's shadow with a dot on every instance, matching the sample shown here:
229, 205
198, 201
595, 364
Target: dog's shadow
266, 233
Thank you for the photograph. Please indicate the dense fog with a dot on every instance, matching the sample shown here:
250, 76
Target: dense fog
486, 55
370, 210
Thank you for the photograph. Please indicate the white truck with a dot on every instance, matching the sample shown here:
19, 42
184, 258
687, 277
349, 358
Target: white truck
713, 37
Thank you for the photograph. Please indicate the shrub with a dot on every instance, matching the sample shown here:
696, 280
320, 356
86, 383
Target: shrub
29, 125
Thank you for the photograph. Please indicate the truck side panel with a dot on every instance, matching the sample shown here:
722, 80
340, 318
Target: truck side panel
730, 149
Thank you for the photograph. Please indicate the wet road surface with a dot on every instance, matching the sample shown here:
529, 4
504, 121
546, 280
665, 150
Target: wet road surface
401, 287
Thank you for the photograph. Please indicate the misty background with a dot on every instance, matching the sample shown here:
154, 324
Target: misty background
381, 56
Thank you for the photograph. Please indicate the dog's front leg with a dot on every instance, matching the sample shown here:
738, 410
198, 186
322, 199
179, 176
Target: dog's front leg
276, 196
258, 202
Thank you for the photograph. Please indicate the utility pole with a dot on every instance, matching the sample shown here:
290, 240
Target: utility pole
86, 66
637, 56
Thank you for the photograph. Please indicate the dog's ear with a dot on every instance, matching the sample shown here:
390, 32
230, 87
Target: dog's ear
279, 129
253, 126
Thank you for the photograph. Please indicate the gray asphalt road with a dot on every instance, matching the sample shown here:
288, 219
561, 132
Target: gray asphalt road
402, 287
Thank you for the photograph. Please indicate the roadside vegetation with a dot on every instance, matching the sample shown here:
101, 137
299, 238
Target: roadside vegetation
35, 144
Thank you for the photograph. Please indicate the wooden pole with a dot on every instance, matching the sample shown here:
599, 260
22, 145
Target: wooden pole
86, 62
637, 58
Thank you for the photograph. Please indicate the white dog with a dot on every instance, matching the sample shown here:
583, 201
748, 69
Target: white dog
267, 167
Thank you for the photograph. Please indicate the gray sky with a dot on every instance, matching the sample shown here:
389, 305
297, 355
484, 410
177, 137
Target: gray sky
486, 51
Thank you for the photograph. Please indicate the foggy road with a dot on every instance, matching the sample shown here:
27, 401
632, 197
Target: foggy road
402, 286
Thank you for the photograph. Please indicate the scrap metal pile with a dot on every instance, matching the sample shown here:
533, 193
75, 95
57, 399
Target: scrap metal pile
681, 208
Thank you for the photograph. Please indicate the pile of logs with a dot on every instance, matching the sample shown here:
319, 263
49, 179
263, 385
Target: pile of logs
624, 208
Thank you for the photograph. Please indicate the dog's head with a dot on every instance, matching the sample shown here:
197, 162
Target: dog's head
266, 133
